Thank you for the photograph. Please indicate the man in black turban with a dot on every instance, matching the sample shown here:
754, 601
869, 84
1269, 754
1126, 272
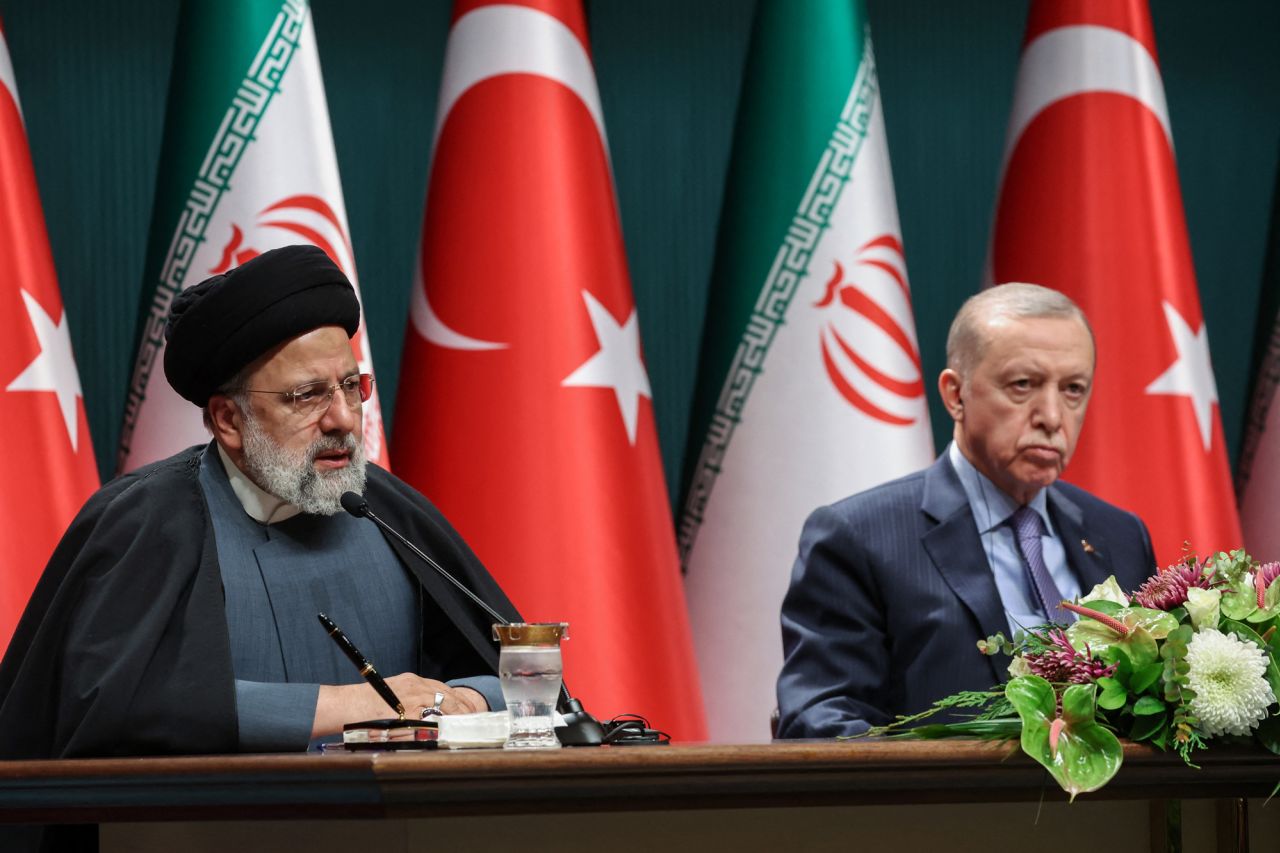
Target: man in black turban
178, 614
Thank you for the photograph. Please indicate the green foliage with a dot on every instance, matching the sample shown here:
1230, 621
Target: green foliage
1155, 624
1240, 601
1232, 567
1178, 694
1269, 733
1007, 728
996, 644
1270, 604
1071, 729
987, 700
1079, 753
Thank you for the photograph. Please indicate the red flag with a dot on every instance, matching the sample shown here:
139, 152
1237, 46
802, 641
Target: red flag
1090, 205
42, 420
524, 408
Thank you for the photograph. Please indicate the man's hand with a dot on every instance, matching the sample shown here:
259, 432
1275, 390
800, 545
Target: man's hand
351, 703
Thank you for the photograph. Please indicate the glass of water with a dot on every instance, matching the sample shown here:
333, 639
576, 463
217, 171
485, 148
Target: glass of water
530, 671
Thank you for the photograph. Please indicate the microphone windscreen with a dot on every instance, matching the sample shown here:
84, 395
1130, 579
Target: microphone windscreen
354, 504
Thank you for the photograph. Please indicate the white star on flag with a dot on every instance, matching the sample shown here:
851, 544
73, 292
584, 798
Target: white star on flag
1191, 374
616, 365
54, 368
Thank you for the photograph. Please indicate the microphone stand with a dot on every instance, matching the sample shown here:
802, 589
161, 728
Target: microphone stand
580, 728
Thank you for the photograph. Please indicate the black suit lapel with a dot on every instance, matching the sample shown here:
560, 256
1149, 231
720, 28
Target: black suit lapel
956, 551
1087, 552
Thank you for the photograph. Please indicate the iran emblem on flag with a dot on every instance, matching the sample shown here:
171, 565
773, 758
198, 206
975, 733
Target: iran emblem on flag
810, 384
239, 175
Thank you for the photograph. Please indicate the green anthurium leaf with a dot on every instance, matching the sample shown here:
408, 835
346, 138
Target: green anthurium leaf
1146, 676
1033, 698
1140, 647
1108, 594
1086, 756
1240, 601
1147, 705
1245, 632
1113, 698
1104, 606
1098, 636
1112, 656
1149, 727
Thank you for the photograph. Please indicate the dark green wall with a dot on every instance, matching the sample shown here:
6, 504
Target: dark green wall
93, 75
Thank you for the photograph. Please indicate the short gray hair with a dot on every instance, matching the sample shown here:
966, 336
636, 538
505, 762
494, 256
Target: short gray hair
235, 389
967, 340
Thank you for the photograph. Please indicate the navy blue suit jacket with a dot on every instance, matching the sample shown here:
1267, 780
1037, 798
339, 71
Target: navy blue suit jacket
891, 591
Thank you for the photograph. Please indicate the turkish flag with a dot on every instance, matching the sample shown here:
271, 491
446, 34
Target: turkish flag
42, 420
524, 408
1089, 204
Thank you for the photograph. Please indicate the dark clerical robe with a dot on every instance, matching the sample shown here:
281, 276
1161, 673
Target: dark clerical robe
124, 648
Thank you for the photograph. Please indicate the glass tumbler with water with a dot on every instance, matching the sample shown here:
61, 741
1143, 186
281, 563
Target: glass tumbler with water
530, 671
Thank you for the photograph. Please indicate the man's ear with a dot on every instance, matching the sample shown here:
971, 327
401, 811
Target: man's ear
950, 387
226, 421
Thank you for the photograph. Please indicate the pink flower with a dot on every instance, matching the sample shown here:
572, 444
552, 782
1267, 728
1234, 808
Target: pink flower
1263, 577
1062, 663
1167, 588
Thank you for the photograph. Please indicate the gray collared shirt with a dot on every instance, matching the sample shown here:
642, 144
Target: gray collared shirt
991, 509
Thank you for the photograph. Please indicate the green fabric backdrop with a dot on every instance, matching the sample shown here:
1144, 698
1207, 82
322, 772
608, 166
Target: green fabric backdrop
93, 76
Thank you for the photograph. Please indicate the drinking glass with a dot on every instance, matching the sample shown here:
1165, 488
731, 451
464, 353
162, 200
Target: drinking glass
530, 671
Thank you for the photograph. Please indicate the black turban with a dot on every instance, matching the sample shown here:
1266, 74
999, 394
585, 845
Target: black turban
223, 323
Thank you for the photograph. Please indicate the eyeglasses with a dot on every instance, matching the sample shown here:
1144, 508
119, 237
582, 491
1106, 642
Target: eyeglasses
315, 397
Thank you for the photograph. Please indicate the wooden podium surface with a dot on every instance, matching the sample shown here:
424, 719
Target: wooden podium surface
791, 776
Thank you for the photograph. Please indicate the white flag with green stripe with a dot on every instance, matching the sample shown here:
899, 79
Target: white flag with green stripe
810, 385
247, 165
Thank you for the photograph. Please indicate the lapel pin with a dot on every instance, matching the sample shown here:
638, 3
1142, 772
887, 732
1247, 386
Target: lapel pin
1088, 549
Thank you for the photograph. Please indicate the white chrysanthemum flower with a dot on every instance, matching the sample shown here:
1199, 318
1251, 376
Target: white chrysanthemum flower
1226, 673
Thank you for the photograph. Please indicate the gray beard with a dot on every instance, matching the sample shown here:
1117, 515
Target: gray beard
293, 477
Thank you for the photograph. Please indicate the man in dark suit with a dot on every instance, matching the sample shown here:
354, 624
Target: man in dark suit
893, 587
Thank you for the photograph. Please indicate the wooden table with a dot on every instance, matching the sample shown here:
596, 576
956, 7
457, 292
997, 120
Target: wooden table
631, 788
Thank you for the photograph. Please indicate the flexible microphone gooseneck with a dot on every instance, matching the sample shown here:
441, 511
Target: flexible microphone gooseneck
580, 728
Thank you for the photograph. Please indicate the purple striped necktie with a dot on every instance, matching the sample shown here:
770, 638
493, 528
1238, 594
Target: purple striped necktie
1029, 527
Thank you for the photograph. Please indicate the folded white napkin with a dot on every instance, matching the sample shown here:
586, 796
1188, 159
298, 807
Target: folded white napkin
478, 731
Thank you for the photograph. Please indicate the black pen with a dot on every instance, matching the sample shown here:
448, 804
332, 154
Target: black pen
366, 669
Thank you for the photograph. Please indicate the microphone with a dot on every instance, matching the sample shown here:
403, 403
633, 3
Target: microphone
580, 728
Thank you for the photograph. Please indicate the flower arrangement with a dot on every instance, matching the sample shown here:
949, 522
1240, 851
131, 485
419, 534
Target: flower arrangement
1189, 657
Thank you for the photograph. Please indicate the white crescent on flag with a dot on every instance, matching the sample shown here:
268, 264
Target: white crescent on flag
497, 40
6, 73
486, 43
1053, 69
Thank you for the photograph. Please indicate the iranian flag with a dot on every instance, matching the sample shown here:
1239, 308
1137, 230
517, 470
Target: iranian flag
810, 386
247, 165
524, 407
42, 418
1258, 476
1089, 204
